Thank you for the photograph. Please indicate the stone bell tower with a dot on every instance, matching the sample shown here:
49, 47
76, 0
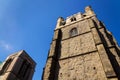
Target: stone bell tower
82, 49
18, 66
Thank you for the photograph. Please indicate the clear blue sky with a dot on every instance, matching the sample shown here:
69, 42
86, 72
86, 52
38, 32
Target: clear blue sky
29, 24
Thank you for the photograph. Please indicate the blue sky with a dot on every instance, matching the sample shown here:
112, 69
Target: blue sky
29, 24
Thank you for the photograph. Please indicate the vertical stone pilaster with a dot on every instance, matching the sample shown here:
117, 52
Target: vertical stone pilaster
109, 71
98, 38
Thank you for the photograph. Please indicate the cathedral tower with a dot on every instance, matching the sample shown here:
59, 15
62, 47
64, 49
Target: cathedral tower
18, 66
82, 49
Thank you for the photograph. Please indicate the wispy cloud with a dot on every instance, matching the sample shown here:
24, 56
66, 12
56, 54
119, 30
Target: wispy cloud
6, 46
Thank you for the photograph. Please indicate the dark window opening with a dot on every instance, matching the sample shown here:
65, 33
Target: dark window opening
84, 15
63, 23
23, 70
73, 19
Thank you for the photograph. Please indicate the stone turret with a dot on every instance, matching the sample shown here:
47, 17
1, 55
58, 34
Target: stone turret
89, 11
60, 22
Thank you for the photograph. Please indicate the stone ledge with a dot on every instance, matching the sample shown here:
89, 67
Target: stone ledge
79, 55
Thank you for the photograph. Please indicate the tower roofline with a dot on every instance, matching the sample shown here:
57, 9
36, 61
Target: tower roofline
75, 17
21, 53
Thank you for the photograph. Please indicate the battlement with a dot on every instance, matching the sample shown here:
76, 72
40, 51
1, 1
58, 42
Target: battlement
75, 17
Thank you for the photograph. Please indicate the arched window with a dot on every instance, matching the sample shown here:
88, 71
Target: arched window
24, 69
73, 32
73, 19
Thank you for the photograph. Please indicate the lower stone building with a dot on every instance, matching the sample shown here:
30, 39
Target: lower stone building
82, 49
18, 66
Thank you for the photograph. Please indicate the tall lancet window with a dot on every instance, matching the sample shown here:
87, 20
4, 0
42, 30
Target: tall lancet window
24, 69
73, 32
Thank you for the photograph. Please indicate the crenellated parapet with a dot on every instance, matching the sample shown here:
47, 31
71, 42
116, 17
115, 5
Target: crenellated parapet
61, 22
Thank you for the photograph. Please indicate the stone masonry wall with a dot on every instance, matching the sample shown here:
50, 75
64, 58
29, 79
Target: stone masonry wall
86, 67
77, 45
